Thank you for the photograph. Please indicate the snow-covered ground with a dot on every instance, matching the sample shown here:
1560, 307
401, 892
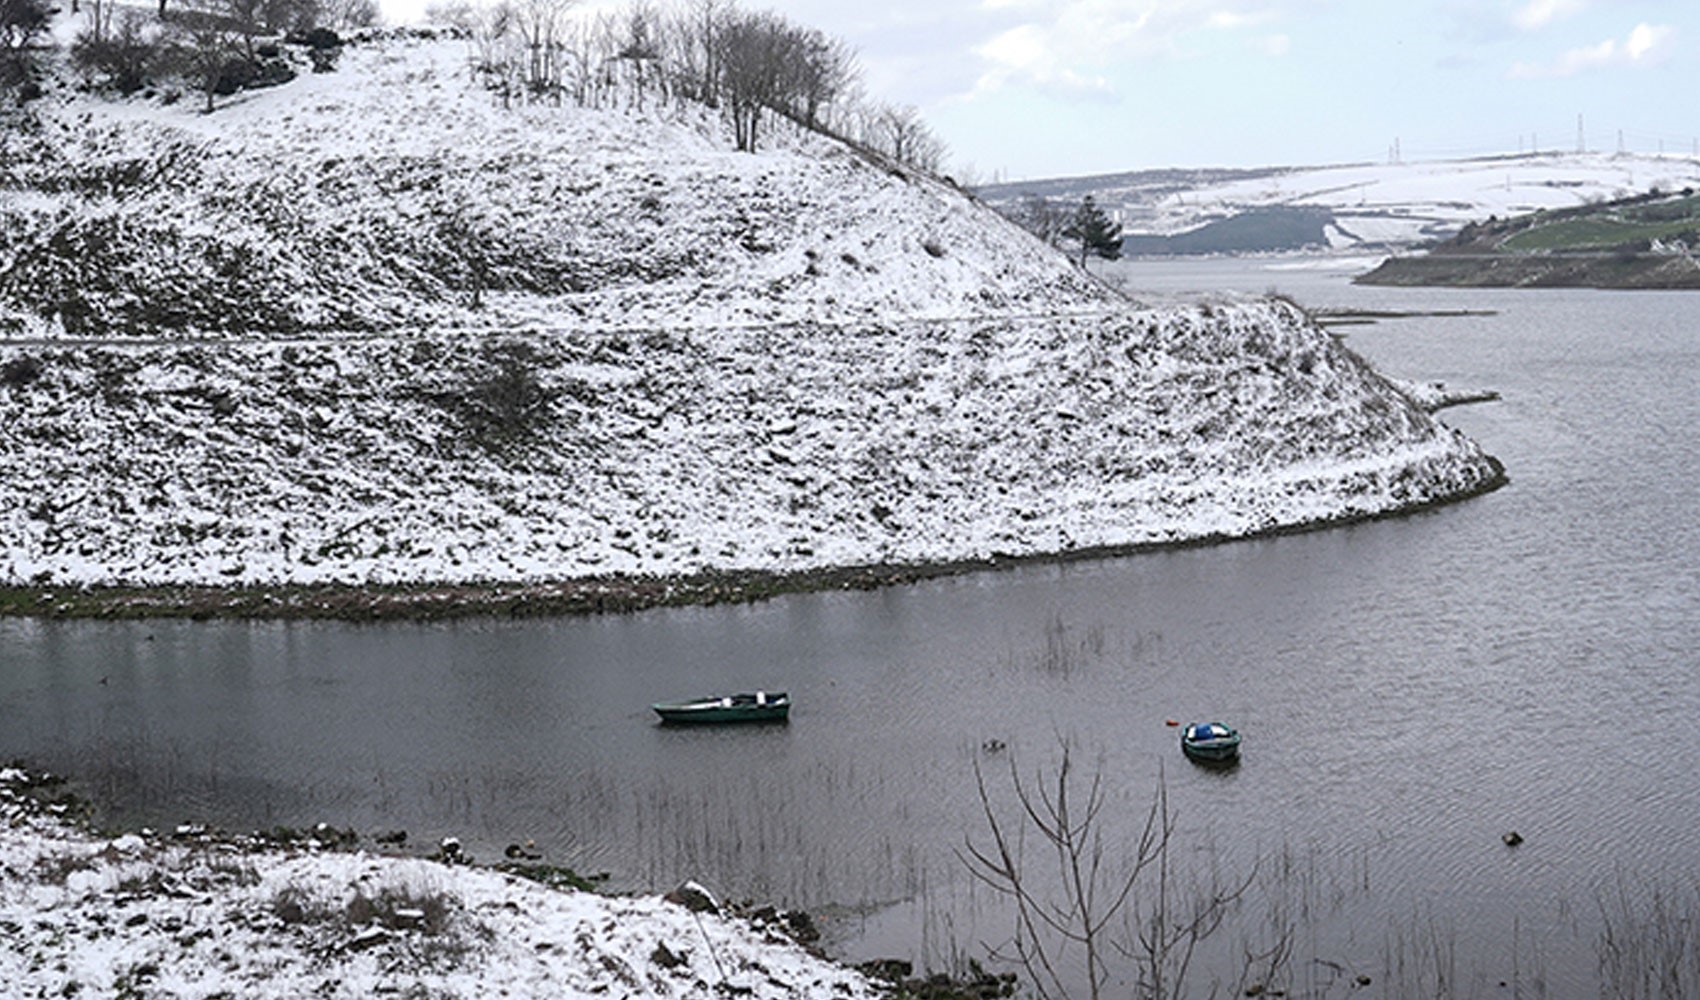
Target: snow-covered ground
381, 196
785, 448
246, 348
1383, 205
197, 916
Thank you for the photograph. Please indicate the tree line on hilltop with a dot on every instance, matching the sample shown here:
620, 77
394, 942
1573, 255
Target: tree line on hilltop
756, 68
753, 66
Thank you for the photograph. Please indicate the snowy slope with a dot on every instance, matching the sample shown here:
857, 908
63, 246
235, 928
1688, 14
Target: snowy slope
790, 448
384, 195
682, 358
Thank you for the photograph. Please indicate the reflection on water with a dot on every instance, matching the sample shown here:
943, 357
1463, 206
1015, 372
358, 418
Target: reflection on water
1408, 691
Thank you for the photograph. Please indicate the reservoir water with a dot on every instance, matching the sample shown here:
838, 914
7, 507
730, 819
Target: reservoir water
1409, 690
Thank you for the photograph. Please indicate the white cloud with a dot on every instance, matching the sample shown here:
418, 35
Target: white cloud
1646, 40
1023, 49
1029, 53
1644, 46
1070, 44
1537, 14
1278, 45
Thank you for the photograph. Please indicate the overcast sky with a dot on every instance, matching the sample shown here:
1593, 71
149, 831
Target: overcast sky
1024, 89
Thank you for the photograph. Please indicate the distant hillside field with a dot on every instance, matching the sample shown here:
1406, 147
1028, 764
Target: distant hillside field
1647, 241
373, 326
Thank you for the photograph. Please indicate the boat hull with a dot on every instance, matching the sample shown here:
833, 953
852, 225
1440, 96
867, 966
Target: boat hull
1210, 742
760, 707
1211, 752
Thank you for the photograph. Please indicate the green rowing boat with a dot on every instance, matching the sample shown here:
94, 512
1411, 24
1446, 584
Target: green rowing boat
758, 706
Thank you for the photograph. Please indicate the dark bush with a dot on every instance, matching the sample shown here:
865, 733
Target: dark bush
22, 23
21, 371
233, 75
126, 59
497, 397
245, 74
271, 72
508, 401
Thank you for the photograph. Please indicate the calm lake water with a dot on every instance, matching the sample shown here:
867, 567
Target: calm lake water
1409, 691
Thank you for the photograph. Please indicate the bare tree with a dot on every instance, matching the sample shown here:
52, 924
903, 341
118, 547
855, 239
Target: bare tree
204, 48
518, 44
817, 71
1039, 216
1099, 902
693, 49
748, 46
542, 27
246, 17
100, 19
492, 32
127, 58
902, 134
346, 14
639, 47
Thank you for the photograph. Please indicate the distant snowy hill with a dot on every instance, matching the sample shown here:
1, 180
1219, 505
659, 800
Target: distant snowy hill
373, 326
1372, 206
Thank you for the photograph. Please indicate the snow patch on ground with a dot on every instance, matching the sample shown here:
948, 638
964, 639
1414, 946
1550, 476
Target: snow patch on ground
198, 917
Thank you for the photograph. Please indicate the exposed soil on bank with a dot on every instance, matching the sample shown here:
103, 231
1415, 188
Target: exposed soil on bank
616, 594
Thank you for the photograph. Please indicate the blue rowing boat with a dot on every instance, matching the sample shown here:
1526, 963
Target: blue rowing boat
1210, 741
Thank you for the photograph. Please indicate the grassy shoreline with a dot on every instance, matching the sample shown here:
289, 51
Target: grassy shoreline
596, 595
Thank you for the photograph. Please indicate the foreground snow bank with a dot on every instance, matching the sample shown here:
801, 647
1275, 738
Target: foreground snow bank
558, 455
137, 916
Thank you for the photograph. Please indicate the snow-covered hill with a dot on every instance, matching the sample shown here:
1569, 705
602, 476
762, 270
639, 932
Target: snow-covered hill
1374, 205
398, 193
374, 326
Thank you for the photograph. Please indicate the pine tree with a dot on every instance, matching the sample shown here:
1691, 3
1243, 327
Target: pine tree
1095, 232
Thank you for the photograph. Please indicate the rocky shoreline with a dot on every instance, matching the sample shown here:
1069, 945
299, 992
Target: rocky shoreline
603, 595
332, 912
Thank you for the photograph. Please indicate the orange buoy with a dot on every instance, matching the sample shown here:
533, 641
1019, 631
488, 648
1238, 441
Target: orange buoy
1171, 723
